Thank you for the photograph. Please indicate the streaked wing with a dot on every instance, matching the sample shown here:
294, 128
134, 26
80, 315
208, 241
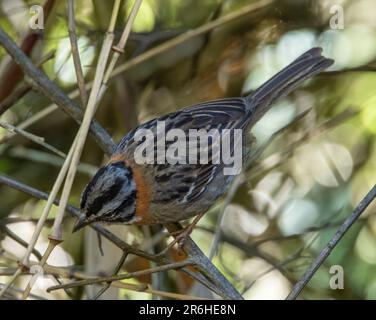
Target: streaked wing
189, 181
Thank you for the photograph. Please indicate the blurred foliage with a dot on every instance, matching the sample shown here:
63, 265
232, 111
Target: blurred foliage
293, 197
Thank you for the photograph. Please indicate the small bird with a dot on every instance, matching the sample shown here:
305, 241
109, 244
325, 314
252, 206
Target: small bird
124, 191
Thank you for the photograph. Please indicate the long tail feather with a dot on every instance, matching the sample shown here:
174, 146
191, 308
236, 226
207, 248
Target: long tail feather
305, 66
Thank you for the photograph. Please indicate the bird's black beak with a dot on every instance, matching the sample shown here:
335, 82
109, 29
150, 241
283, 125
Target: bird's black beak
81, 222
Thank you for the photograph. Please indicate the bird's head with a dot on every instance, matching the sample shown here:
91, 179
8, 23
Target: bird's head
110, 196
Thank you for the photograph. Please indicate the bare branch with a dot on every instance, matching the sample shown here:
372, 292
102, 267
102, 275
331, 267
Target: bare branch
206, 267
170, 266
75, 52
53, 92
32, 137
13, 73
324, 254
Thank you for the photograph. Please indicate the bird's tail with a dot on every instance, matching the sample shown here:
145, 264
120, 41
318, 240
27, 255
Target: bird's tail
305, 66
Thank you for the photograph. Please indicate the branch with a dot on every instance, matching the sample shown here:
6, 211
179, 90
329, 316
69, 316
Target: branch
116, 271
75, 52
170, 266
206, 267
324, 254
19, 240
32, 137
29, 121
161, 260
13, 74
22, 89
53, 92
17, 290
69, 273
191, 34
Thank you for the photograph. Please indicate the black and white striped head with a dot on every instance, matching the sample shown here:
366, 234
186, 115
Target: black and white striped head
110, 197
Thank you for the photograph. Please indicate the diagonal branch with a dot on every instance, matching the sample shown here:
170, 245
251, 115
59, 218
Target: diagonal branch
31, 137
53, 92
324, 254
12, 73
205, 266
75, 52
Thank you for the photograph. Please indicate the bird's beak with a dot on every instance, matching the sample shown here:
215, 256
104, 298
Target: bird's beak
81, 222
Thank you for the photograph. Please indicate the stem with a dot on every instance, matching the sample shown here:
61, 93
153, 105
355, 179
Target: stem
32, 137
324, 254
75, 52
10, 282
170, 266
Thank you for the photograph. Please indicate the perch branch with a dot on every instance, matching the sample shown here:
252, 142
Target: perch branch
206, 267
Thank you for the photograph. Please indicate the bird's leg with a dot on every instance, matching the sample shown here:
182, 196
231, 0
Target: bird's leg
183, 234
180, 236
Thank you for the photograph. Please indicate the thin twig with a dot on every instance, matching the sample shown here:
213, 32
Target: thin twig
324, 254
12, 72
49, 159
191, 34
19, 240
47, 208
56, 233
148, 289
116, 271
18, 93
24, 244
17, 290
77, 148
170, 266
75, 52
218, 229
38, 229
69, 273
119, 48
23, 88
53, 92
32, 137
10, 282
28, 122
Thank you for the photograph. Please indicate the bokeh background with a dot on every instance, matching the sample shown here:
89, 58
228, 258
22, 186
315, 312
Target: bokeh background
290, 200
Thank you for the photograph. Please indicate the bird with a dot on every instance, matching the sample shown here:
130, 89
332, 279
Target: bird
124, 191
